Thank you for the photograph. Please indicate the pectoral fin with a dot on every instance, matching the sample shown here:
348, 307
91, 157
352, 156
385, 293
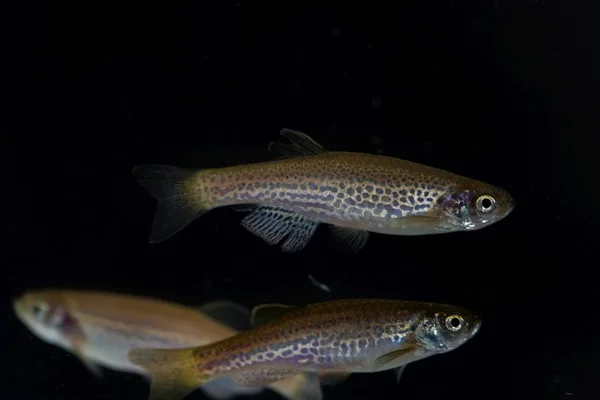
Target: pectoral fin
94, 368
399, 371
76, 336
417, 223
392, 358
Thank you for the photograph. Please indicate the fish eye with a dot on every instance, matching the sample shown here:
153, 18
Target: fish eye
38, 309
454, 322
485, 203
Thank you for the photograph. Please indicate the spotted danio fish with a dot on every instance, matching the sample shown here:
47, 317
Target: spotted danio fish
330, 339
355, 193
101, 327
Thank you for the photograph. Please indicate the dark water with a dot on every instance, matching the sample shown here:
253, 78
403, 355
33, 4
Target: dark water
496, 91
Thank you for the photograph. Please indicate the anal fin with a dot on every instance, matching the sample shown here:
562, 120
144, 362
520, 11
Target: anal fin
273, 224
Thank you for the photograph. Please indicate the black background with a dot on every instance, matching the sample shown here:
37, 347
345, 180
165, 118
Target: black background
505, 92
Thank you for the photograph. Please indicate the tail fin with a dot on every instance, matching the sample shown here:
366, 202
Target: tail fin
179, 195
303, 386
173, 372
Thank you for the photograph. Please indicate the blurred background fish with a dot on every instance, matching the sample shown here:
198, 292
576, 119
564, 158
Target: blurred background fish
333, 339
100, 328
355, 193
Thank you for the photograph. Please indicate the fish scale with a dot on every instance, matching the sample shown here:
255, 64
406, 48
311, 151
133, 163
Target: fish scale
356, 193
100, 328
332, 186
337, 332
330, 340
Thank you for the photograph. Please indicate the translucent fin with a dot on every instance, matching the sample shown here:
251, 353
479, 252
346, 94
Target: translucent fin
91, 366
173, 371
232, 314
273, 224
352, 239
418, 224
176, 191
399, 371
391, 357
300, 145
76, 337
266, 313
302, 386
333, 378
224, 388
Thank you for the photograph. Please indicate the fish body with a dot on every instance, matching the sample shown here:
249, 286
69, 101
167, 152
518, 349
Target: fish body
100, 328
355, 193
331, 339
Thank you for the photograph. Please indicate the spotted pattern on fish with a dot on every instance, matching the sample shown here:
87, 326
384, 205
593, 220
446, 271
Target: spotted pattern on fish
289, 343
332, 186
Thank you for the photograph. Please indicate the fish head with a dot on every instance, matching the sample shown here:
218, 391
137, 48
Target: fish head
46, 315
474, 206
444, 328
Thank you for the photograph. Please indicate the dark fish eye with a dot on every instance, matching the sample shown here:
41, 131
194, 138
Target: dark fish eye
485, 203
454, 323
38, 309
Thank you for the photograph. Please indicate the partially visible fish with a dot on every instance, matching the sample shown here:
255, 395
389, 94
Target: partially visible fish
100, 328
331, 340
353, 192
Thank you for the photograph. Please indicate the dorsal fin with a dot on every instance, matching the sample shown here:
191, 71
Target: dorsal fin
227, 312
266, 313
301, 145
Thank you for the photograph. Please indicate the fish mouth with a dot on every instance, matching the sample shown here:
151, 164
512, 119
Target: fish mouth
476, 325
504, 209
18, 305
510, 205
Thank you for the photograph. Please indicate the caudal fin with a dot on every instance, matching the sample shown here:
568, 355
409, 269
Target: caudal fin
173, 373
179, 194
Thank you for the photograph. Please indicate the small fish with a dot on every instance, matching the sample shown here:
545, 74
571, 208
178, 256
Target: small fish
355, 193
331, 339
100, 328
